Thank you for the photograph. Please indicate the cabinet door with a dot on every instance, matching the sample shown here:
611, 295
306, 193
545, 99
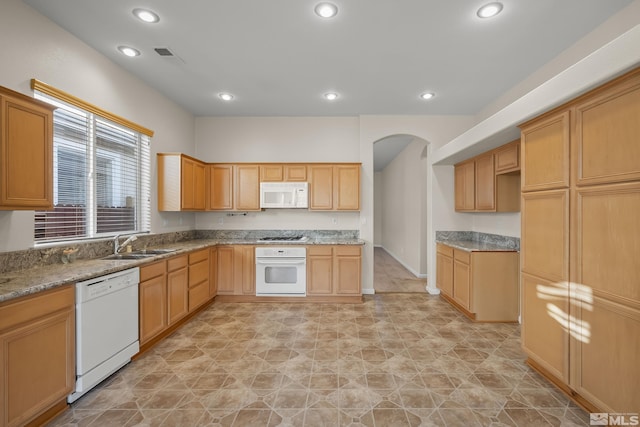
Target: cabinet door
607, 127
604, 352
507, 158
198, 278
272, 173
153, 307
321, 187
177, 295
225, 270
444, 274
220, 194
37, 355
462, 283
545, 324
244, 274
295, 173
26, 153
465, 186
347, 269
213, 272
545, 234
545, 153
247, 185
319, 270
199, 186
347, 187
485, 183
187, 184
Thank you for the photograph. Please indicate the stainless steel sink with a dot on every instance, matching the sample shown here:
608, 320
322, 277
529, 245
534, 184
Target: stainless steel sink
154, 251
127, 256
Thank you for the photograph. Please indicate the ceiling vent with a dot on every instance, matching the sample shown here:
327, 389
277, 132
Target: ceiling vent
163, 51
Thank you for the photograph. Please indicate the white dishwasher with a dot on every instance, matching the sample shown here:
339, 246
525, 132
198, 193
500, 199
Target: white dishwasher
106, 327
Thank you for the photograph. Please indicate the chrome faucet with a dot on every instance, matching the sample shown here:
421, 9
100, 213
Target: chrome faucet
117, 247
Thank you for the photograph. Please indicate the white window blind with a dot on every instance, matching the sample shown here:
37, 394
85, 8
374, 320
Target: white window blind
101, 177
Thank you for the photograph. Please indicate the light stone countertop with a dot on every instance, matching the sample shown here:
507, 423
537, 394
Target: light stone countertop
474, 246
16, 284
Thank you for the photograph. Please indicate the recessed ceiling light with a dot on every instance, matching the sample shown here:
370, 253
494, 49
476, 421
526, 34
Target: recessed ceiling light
331, 96
129, 51
225, 96
146, 15
489, 10
326, 10
427, 95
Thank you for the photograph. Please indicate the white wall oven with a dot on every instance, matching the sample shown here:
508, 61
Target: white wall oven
281, 271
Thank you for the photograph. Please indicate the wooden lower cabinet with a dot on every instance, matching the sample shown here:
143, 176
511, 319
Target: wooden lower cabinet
152, 301
483, 285
545, 317
198, 278
169, 291
334, 270
213, 272
319, 270
177, 289
236, 270
604, 353
444, 268
37, 356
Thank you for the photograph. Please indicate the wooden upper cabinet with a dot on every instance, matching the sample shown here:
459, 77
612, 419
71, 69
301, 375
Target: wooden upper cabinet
334, 187
26, 152
287, 172
321, 187
247, 187
295, 172
606, 143
193, 184
346, 181
271, 173
485, 183
545, 152
181, 183
507, 158
465, 186
220, 188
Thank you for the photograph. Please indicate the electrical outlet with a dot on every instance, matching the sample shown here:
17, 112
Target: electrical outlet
221, 220
334, 221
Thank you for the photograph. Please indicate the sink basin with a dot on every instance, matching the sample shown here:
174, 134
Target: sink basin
154, 251
128, 256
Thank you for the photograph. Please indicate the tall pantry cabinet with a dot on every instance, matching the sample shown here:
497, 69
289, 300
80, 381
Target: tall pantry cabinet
581, 245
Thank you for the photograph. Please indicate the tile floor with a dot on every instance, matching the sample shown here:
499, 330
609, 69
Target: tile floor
391, 276
395, 360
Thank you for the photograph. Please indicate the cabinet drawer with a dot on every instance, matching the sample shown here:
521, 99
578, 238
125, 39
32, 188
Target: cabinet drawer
150, 271
198, 295
198, 256
462, 256
31, 307
319, 250
198, 273
347, 250
176, 263
444, 250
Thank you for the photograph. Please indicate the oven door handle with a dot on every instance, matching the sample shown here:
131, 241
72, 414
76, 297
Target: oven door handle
271, 261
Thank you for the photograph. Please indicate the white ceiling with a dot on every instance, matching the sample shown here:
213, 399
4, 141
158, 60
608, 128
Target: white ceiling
278, 58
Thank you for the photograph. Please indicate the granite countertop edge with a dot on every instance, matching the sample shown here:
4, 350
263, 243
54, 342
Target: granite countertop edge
21, 283
475, 246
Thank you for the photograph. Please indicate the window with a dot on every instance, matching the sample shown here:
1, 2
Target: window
101, 183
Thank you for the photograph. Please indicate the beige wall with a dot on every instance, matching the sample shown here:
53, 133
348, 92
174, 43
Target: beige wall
378, 202
32, 46
404, 191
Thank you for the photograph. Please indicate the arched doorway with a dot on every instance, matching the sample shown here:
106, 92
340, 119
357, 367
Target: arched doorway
400, 213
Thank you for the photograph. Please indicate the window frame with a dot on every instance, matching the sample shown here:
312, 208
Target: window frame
99, 120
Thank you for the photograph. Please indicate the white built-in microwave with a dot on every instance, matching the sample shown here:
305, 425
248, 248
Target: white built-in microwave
284, 195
